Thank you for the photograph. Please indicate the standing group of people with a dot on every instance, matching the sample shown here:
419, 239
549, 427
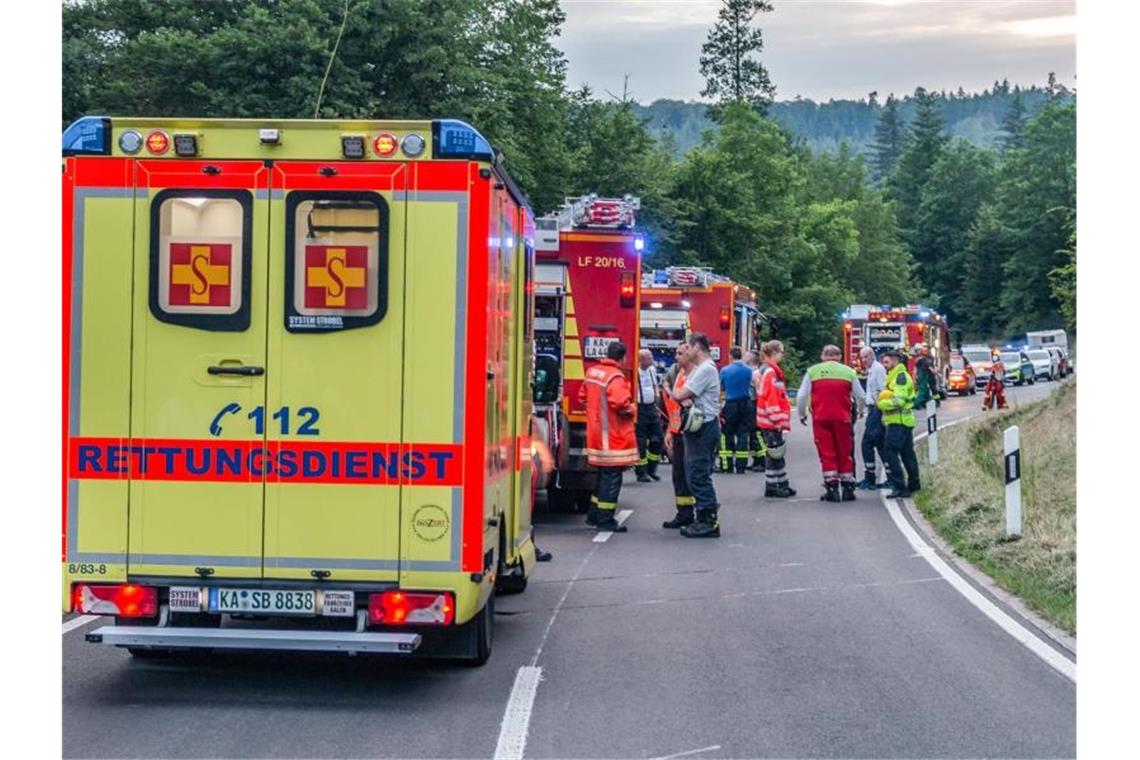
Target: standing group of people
624, 431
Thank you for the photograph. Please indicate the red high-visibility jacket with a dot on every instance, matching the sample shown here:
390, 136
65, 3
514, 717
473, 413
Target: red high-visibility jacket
610, 413
773, 410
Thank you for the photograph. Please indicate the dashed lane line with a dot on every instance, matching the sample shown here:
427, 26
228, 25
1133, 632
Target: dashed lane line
79, 622
604, 535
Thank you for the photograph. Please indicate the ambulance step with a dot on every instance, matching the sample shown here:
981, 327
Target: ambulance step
239, 638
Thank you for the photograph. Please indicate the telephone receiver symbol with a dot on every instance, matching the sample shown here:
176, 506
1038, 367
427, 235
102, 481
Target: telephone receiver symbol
215, 426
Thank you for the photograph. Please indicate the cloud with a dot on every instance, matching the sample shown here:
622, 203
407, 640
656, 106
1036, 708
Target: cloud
826, 48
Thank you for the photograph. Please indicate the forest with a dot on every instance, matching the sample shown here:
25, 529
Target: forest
816, 206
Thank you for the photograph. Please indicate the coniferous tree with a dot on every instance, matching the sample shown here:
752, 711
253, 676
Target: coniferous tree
910, 174
890, 139
1013, 123
728, 63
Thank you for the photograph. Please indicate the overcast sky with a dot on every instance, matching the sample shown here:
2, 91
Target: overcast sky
822, 49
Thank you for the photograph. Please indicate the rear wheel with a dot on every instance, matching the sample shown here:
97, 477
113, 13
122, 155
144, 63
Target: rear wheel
481, 630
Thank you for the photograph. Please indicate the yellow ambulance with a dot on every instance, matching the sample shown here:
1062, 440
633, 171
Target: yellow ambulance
297, 361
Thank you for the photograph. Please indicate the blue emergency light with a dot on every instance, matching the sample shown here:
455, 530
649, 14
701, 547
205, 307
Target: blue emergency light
452, 138
88, 136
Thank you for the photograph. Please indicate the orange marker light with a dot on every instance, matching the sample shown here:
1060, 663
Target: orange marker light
157, 142
385, 144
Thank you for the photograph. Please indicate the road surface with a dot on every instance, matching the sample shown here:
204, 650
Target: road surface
809, 629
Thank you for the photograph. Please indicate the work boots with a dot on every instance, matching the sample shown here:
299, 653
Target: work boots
706, 525
592, 514
779, 491
606, 521
831, 492
848, 488
683, 517
868, 483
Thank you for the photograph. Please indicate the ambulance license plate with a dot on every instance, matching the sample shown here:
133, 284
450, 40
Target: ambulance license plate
596, 345
262, 601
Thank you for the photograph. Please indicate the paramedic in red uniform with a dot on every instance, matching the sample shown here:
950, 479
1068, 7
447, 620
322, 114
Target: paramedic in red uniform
611, 445
830, 387
995, 386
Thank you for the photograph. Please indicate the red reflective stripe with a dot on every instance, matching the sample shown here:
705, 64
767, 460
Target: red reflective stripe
475, 385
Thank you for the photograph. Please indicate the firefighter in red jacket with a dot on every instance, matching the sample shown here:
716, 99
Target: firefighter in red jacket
995, 386
773, 418
831, 387
611, 444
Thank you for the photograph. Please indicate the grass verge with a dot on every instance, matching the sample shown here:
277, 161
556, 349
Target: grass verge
963, 498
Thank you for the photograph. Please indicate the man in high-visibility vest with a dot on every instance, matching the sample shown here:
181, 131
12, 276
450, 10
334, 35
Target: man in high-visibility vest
896, 402
833, 391
611, 445
675, 440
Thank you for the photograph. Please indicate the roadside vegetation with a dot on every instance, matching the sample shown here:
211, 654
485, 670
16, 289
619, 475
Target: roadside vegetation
963, 499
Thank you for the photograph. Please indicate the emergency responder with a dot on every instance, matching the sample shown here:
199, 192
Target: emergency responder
995, 386
753, 360
649, 438
896, 402
926, 381
873, 430
831, 387
773, 418
675, 440
702, 390
611, 445
739, 411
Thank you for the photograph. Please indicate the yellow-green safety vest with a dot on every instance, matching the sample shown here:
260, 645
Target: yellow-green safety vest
896, 402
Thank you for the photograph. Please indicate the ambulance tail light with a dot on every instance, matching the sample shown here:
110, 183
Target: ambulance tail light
628, 289
411, 608
725, 318
124, 600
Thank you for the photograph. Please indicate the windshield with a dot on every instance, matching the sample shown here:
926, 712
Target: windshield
977, 356
1039, 355
956, 362
1009, 358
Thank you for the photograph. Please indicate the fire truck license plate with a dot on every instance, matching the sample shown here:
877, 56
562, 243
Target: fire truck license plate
262, 601
595, 347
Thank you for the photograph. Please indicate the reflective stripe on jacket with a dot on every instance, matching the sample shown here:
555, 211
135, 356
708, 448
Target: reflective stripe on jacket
832, 388
773, 410
897, 400
674, 407
610, 437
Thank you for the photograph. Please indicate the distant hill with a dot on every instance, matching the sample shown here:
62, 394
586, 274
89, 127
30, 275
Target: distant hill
823, 126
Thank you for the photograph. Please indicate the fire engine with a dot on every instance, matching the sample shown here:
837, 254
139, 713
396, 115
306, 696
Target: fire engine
586, 290
677, 301
296, 384
904, 328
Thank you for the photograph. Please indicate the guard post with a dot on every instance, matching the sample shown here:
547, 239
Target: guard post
1013, 482
932, 431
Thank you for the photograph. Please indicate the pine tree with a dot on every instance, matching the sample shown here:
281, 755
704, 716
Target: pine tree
1013, 124
890, 139
732, 74
910, 174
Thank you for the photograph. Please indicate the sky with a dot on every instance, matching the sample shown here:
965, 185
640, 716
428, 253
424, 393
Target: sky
823, 49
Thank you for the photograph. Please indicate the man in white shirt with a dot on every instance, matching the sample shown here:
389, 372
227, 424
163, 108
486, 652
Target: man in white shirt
650, 440
873, 430
701, 393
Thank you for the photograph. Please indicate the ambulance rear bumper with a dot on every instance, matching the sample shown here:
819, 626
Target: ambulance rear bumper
238, 638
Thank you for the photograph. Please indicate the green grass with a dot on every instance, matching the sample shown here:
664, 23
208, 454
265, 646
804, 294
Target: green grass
964, 500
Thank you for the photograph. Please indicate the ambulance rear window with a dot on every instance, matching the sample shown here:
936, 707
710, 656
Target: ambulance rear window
337, 265
200, 258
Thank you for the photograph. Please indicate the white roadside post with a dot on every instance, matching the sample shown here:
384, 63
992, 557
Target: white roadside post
932, 431
1013, 482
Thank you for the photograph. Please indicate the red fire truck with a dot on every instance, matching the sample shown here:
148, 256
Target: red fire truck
677, 301
904, 328
586, 289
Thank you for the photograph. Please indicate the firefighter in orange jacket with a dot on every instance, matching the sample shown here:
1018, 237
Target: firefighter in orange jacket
611, 444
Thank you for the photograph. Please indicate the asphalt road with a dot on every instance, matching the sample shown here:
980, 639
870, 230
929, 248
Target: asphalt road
807, 630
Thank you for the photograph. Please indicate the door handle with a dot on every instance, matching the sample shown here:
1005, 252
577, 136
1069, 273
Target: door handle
235, 369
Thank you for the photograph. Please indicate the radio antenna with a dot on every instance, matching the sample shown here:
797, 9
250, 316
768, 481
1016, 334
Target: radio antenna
332, 57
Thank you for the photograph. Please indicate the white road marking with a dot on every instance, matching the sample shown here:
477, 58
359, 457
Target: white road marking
604, 535
1051, 656
79, 622
516, 718
689, 752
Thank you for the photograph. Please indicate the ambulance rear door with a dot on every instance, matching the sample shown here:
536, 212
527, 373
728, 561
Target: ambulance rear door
335, 359
198, 369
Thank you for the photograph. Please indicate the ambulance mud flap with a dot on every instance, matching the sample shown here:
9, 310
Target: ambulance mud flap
237, 638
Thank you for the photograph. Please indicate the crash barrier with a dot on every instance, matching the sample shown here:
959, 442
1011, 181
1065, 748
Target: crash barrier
1012, 482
